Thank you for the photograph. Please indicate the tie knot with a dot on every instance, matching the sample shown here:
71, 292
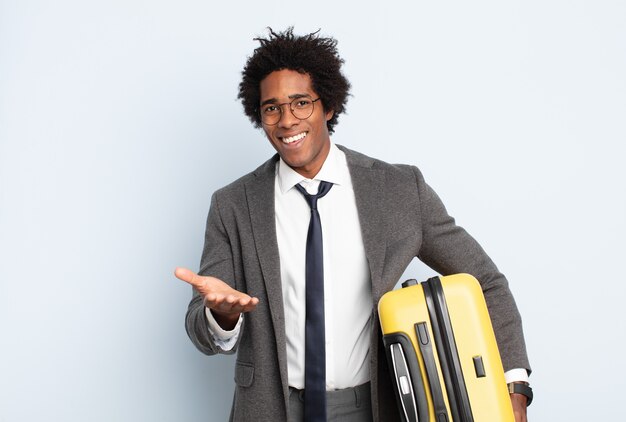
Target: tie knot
322, 190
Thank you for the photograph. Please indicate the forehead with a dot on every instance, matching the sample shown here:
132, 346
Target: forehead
280, 85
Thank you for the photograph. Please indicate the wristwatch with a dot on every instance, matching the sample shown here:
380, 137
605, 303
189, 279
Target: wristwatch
521, 388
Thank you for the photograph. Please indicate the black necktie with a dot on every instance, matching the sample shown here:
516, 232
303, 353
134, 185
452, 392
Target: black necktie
315, 341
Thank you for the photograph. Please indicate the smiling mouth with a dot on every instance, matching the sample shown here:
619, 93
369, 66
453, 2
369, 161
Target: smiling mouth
293, 138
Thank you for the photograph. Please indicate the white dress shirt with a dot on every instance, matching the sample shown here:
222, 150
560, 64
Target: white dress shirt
347, 284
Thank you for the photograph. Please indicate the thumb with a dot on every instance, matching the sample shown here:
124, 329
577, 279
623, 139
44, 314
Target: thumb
188, 276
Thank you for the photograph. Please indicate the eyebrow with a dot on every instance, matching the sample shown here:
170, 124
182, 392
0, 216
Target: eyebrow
292, 97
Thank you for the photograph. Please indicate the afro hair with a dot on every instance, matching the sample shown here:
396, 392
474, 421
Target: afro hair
308, 54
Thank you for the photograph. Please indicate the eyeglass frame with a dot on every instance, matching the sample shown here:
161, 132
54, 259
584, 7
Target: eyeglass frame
280, 107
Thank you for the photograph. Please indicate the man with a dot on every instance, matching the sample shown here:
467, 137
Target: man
298, 253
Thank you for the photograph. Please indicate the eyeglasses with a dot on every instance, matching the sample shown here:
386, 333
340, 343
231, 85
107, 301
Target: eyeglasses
301, 108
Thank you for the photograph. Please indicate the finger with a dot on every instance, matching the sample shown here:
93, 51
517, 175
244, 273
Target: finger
243, 300
213, 300
232, 303
226, 307
251, 305
235, 302
183, 274
248, 308
222, 303
187, 276
236, 309
243, 304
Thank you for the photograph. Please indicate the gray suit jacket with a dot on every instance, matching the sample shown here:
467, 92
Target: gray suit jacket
401, 217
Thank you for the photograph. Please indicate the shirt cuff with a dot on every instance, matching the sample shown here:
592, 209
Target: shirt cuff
226, 339
516, 375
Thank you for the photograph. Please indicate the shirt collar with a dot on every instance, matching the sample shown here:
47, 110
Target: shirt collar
334, 170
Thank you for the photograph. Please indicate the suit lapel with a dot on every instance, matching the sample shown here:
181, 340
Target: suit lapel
368, 183
260, 196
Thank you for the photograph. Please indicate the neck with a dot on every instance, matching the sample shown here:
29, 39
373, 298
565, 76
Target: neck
313, 168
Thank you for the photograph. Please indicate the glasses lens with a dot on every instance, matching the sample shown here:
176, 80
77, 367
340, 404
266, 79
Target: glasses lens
270, 114
302, 108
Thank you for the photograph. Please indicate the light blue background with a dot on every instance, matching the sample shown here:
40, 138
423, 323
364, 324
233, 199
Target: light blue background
118, 120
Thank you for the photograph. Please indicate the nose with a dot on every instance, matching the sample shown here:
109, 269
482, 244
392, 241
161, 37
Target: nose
287, 119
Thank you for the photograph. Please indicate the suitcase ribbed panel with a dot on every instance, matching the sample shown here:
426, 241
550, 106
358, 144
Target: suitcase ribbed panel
428, 356
448, 354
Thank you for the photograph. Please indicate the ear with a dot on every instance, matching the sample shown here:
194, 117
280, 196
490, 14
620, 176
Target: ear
329, 114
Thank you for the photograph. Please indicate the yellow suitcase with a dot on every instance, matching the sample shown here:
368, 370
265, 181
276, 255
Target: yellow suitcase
442, 352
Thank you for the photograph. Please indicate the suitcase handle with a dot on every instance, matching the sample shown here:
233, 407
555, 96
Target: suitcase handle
426, 349
403, 382
413, 407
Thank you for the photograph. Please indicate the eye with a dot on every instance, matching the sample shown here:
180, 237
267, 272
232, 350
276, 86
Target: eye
302, 103
270, 109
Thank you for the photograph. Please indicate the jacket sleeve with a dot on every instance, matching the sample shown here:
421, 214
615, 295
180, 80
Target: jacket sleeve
449, 249
216, 261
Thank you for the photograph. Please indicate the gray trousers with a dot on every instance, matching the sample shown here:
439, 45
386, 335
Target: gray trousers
347, 405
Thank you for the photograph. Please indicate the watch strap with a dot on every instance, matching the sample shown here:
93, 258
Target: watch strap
521, 388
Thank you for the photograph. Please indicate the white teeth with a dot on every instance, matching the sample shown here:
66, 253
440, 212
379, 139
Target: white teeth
294, 138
